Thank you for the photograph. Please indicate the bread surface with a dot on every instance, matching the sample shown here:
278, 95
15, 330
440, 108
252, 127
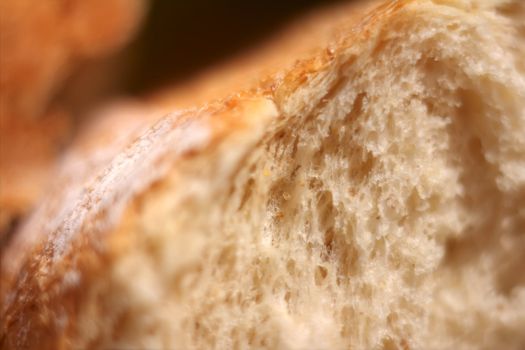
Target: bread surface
367, 196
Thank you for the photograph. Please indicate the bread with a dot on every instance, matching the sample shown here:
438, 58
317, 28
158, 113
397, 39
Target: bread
369, 196
42, 45
104, 131
108, 130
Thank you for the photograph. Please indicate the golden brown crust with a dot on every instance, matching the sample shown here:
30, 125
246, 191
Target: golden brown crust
84, 237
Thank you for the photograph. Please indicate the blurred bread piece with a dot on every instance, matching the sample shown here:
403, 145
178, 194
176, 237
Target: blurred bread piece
367, 195
42, 43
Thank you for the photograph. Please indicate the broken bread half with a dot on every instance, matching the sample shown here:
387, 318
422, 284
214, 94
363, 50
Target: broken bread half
369, 196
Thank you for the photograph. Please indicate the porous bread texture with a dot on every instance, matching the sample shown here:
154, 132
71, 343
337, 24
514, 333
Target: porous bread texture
382, 208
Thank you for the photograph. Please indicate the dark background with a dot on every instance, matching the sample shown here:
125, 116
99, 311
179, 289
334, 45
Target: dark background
180, 37
176, 40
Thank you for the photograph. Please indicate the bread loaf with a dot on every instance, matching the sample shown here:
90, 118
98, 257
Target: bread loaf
370, 195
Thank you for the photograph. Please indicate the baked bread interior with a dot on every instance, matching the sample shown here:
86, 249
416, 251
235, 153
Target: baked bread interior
371, 196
